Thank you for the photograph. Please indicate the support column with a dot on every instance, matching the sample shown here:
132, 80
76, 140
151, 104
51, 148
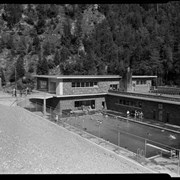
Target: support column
44, 106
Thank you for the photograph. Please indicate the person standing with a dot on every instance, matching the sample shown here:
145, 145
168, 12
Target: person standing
15, 92
128, 113
27, 90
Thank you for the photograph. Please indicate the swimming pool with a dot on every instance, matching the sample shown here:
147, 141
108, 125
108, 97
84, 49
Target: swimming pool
128, 134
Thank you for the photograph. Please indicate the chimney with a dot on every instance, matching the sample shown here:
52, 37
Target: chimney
125, 84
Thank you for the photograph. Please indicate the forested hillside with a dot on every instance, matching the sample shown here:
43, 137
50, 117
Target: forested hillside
90, 39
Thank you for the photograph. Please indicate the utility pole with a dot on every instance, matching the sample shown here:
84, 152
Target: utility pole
15, 75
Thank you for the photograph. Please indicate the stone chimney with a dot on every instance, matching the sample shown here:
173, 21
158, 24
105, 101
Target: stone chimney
125, 84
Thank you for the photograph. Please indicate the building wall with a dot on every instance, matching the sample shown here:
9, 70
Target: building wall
69, 103
150, 109
103, 87
112, 103
141, 87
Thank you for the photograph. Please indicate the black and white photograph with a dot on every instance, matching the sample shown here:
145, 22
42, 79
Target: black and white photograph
90, 89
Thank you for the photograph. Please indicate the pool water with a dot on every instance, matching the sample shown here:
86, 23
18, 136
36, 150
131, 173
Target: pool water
128, 134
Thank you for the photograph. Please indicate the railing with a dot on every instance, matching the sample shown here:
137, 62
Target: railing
167, 90
97, 123
157, 96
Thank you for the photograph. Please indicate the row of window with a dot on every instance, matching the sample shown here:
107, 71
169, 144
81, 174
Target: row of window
113, 86
90, 103
130, 103
84, 84
141, 82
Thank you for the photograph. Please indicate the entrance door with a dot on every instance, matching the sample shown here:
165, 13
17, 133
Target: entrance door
154, 114
133, 86
103, 104
53, 87
167, 117
160, 115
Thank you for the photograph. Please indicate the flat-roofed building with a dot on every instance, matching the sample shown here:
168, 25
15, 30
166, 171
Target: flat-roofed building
71, 92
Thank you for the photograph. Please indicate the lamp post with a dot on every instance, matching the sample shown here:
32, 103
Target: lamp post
119, 133
99, 124
44, 105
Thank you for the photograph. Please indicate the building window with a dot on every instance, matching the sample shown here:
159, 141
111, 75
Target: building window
160, 106
113, 86
77, 104
132, 103
73, 84
87, 84
120, 101
140, 104
84, 84
91, 84
141, 82
154, 114
43, 84
167, 117
127, 103
90, 103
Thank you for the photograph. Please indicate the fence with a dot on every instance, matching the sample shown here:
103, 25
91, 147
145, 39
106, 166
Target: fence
146, 95
97, 123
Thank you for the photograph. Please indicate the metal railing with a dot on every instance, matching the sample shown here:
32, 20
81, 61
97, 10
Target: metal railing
146, 95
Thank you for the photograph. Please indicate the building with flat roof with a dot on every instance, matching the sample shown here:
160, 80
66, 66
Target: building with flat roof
71, 92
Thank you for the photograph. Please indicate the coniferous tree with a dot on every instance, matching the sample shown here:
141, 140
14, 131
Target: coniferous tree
42, 66
20, 71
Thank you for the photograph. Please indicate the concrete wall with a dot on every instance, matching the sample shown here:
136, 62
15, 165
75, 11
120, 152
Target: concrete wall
147, 108
103, 87
68, 103
141, 87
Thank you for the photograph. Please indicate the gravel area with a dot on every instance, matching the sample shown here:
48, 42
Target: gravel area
30, 144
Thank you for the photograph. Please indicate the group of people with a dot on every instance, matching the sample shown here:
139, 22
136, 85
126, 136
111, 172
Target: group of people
136, 114
14, 92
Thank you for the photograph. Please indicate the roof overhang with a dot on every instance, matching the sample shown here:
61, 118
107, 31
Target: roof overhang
89, 76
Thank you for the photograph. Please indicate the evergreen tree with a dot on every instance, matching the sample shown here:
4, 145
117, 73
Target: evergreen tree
3, 80
20, 71
42, 66
57, 58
